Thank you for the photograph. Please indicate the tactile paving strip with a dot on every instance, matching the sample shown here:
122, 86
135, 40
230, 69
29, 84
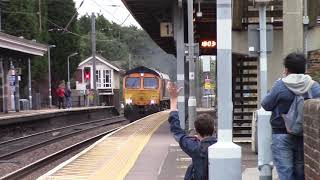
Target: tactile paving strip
111, 157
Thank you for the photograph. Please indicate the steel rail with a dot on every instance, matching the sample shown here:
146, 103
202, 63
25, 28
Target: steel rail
12, 154
57, 129
22, 172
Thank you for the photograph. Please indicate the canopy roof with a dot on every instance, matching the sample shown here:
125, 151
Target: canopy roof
150, 13
13, 43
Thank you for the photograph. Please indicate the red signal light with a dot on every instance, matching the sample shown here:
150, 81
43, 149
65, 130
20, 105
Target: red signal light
86, 73
87, 76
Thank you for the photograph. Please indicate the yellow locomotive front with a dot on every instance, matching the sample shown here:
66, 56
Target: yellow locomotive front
142, 93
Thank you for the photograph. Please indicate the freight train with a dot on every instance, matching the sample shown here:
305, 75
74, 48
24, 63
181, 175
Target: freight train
144, 92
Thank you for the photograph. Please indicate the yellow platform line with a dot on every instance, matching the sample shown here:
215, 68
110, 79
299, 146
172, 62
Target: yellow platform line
114, 156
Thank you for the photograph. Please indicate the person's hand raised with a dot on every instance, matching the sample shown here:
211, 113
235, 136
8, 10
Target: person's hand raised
173, 90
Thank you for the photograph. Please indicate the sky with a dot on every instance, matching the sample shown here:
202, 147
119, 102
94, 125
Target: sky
113, 10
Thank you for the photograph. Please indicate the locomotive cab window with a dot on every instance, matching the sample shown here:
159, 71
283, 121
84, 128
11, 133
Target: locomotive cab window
132, 82
150, 83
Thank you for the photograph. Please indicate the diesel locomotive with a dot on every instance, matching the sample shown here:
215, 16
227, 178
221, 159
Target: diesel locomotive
144, 92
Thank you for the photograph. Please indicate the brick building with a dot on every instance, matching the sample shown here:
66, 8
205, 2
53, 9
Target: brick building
312, 139
314, 65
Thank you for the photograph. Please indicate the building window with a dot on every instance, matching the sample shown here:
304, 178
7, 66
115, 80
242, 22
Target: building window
103, 78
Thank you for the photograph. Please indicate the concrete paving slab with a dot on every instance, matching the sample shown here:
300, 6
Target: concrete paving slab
151, 160
253, 174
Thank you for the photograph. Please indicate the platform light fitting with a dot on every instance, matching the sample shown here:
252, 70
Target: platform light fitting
199, 13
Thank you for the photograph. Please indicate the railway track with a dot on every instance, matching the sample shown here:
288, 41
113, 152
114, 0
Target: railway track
20, 173
14, 147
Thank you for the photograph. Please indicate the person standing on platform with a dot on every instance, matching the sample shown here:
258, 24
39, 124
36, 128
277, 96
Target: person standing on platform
195, 147
68, 97
60, 93
287, 149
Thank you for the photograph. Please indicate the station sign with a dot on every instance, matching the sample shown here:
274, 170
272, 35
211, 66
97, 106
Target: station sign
166, 29
81, 86
208, 85
208, 44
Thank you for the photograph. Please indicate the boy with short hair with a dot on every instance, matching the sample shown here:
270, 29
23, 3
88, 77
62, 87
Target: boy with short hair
195, 147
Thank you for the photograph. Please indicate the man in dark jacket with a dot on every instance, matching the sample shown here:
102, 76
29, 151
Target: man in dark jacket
195, 147
287, 149
67, 94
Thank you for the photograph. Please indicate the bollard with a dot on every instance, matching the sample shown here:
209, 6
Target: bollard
264, 145
224, 161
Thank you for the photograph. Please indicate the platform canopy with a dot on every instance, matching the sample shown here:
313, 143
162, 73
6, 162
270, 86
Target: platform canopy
151, 13
9, 43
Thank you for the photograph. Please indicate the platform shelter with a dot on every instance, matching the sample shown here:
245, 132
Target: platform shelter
16, 54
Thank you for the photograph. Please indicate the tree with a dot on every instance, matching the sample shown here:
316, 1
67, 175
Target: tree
84, 25
66, 41
21, 19
107, 44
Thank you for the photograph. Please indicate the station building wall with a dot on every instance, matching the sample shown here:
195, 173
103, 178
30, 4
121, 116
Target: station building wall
312, 139
313, 39
275, 59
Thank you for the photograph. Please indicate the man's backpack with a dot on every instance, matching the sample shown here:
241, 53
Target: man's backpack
294, 118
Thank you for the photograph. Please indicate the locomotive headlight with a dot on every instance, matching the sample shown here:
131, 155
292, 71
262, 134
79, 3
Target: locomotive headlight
152, 101
128, 101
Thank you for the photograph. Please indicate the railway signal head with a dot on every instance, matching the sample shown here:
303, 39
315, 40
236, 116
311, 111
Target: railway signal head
87, 76
87, 73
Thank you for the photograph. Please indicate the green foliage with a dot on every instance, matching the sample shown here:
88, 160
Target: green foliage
85, 25
59, 14
20, 19
107, 39
114, 42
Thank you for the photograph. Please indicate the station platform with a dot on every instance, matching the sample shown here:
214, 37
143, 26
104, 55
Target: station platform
144, 149
32, 115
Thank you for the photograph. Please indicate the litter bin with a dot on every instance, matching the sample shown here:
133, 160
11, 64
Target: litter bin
24, 104
36, 101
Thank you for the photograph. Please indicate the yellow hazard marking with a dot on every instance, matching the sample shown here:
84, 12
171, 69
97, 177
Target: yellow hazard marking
112, 157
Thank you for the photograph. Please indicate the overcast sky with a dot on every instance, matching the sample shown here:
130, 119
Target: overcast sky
118, 14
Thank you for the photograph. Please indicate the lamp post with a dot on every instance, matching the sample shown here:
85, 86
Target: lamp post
264, 128
73, 54
49, 74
